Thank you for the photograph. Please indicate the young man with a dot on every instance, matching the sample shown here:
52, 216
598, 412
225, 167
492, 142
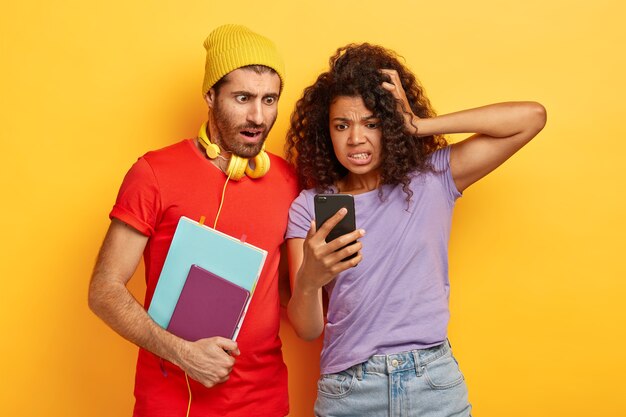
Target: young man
193, 178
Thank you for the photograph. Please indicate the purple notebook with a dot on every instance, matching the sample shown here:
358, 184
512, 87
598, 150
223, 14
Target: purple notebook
208, 306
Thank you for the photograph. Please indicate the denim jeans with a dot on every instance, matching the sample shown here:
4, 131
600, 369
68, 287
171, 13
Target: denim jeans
424, 383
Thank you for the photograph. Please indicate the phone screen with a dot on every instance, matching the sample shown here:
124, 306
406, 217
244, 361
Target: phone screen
327, 205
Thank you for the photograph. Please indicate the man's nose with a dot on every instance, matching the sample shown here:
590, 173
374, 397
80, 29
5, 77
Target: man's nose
255, 113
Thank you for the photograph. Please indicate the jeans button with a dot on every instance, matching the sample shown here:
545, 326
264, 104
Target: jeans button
394, 363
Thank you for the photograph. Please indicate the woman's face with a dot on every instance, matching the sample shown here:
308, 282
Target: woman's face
356, 135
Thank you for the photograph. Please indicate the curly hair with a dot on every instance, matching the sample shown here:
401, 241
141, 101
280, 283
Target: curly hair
354, 71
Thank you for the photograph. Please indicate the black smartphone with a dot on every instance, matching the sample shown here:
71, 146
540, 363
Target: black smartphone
326, 206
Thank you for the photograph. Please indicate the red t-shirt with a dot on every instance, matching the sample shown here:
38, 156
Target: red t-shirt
179, 181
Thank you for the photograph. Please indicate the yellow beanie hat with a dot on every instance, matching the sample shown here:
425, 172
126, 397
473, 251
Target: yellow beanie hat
230, 47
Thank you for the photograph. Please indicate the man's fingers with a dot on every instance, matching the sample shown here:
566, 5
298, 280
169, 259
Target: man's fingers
225, 344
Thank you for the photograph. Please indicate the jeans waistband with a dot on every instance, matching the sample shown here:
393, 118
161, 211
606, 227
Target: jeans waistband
404, 361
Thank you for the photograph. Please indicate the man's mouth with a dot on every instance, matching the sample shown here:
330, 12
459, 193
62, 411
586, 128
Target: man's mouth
251, 133
251, 136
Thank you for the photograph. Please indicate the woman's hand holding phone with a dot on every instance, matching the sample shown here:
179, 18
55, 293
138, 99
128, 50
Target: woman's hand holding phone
316, 261
323, 261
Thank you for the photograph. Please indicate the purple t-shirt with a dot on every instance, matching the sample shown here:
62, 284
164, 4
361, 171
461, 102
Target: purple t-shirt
396, 299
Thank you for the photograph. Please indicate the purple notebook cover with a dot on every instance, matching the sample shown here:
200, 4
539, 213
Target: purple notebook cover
208, 306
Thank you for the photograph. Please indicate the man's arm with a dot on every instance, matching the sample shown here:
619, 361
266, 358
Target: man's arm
206, 360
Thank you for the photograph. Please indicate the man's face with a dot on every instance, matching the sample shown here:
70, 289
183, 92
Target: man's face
244, 110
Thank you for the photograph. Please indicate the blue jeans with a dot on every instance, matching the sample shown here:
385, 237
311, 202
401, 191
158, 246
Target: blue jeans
424, 383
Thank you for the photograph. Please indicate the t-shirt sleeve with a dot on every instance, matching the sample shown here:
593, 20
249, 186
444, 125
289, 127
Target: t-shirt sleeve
138, 202
441, 163
300, 216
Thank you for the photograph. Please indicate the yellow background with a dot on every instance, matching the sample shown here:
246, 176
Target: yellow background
537, 250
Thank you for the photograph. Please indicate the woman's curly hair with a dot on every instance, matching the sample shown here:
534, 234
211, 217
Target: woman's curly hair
355, 71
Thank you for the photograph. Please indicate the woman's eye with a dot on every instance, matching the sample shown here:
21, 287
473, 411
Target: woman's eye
373, 125
341, 126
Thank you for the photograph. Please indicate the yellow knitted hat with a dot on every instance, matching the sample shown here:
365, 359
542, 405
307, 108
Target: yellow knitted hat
230, 47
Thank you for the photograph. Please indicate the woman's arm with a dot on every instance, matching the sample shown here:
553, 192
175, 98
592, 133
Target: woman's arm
304, 310
499, 130
313, 263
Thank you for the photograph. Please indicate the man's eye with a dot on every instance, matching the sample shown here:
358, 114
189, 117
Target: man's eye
270, 100
241, 98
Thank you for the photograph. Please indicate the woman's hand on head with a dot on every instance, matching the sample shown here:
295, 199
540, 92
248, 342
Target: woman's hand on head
394, 86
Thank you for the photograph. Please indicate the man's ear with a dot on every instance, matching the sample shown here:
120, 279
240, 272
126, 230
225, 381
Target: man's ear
209, 97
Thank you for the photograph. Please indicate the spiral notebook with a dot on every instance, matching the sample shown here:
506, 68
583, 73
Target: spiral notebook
208, 306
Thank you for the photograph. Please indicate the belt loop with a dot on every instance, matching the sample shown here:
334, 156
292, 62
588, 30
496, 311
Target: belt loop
358, 370
416, 359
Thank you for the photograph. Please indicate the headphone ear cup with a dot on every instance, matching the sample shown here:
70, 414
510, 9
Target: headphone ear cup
261, 165
237, 167
212, 150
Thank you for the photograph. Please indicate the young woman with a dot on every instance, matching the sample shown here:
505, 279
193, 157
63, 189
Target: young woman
366, 128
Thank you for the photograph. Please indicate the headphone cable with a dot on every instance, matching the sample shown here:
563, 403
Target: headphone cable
217, 216
189, 391
219, 210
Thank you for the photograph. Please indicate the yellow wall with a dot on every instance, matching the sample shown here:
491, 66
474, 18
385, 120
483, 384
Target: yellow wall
537, 262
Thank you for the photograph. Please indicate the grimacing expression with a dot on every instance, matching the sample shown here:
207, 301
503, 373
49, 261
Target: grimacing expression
356, 135
244, 110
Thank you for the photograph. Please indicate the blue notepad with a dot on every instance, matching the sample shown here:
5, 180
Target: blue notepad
217, 252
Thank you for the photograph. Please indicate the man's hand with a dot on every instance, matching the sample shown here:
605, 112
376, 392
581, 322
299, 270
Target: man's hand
209, 361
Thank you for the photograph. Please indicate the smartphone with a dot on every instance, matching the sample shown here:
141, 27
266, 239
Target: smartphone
326, 206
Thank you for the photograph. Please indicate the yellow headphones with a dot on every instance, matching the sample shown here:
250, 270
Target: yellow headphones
238, 166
